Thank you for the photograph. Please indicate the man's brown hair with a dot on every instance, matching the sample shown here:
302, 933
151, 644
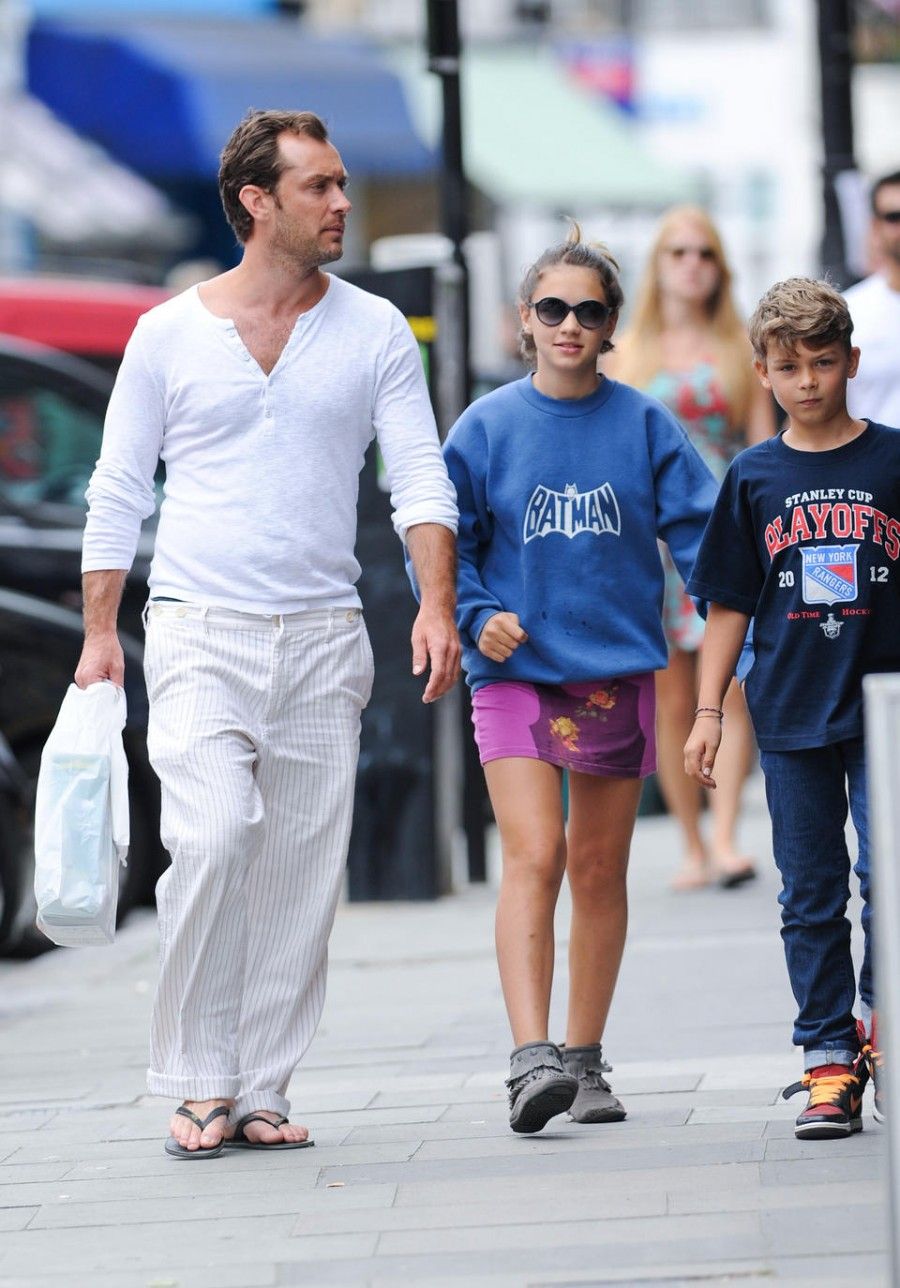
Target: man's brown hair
251, 156
799, 311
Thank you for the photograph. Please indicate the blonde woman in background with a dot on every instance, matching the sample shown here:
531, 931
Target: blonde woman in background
687, 347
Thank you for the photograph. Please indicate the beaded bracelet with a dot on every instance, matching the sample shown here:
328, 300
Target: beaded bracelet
712, 711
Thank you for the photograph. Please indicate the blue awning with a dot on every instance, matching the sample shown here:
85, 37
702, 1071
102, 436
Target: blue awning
163, 94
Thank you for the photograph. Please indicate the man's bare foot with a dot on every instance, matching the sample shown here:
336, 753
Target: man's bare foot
188, 1134
258, 1133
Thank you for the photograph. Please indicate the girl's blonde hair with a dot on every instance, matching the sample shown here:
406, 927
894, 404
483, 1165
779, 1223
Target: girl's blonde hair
640, 348
580, 254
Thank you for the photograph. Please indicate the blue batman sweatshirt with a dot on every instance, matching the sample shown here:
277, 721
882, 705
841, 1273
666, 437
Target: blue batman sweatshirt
561, 502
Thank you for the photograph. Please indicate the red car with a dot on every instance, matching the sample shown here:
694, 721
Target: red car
92, 320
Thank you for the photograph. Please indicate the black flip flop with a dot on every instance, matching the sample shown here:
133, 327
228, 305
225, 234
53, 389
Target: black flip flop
730, 880
175, 1150
240, 1141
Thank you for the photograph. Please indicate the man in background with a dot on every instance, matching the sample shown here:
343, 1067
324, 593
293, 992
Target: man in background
875, 308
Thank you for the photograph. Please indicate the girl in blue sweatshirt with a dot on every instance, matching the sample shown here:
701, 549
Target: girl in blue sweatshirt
565, 480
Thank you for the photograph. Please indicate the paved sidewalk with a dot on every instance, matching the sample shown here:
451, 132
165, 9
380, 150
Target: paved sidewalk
415, 1178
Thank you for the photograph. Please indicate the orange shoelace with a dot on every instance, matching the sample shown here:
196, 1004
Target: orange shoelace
827, 1089
870, 1054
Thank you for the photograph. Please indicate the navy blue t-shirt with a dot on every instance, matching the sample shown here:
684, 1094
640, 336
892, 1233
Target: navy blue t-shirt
807, 543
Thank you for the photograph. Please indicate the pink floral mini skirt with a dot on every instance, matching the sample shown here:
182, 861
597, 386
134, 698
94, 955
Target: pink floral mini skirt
597, 727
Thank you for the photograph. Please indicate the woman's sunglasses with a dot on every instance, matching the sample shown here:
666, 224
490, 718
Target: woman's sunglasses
590, 314
706, 253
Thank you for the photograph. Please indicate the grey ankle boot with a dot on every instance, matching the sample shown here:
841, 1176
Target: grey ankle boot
595, 1102
539, 1087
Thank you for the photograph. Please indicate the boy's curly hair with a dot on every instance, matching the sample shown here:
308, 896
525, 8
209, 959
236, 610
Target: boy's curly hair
799, 310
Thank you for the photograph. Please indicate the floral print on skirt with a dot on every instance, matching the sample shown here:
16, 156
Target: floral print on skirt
593, 727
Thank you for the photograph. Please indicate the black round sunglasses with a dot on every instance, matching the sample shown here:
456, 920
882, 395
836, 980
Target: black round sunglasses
551, 310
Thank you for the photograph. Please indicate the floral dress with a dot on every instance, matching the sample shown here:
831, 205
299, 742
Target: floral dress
696, 396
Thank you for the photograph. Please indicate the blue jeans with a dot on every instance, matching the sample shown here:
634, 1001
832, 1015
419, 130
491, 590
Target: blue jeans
808, 793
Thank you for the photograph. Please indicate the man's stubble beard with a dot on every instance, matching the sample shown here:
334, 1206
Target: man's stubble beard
303, 254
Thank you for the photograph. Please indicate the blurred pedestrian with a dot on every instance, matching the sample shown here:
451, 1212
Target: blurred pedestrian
875, 306
826, 612
687, 347
564, 479
260, 389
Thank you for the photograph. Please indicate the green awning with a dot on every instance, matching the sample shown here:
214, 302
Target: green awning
533, 136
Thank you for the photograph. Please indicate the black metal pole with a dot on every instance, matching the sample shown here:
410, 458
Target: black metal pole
444, 52
835, 23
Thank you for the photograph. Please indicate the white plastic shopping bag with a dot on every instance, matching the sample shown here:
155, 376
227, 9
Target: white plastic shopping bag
81, 827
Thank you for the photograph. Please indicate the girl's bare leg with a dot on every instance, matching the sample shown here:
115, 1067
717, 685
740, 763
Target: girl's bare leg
601, 821
527, 800
675, 703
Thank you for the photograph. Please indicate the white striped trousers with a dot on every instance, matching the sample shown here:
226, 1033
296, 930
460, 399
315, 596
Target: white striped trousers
254, 733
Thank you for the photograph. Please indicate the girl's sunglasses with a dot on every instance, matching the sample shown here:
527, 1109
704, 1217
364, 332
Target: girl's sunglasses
590, 314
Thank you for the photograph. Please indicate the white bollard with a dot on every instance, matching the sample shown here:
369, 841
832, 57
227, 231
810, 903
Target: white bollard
882, 707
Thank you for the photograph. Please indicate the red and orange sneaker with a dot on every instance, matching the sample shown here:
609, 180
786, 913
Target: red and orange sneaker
835, 1102
869, 1064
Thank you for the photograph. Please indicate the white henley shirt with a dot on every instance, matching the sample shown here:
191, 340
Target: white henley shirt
262, 472
875, 390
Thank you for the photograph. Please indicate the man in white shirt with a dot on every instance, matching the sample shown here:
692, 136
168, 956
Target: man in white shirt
260, 389
875, 308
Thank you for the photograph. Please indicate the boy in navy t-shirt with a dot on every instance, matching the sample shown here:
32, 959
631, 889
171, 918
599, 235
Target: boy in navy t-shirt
805, 539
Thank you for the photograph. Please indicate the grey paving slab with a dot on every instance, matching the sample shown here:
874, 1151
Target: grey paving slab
194, 1243
165, 1211
14, 1177
534, 1264
717, 1114
16, 1218
303, 1175
599, 1205
825, 1229
457, 1095
675, 1276
561, 1135
839, 1271
862, 1193
866, 1144
571, 1234
588, 1161
24, 1121
223, 1181
830, 1167
415, 1116
242, 1276
546, 1186
39, 1148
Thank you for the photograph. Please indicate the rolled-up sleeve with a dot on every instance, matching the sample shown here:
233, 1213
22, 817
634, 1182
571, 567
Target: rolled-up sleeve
121, 494
421, 491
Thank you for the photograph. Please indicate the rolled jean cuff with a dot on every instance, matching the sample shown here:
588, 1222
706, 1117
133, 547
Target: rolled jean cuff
163, 1084
250, 1102
817, 1056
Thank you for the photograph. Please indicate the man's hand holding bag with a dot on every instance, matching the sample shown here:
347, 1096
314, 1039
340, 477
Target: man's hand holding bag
81, 828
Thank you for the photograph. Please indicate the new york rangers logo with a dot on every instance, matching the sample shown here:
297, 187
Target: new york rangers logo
571, 512
829, 574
